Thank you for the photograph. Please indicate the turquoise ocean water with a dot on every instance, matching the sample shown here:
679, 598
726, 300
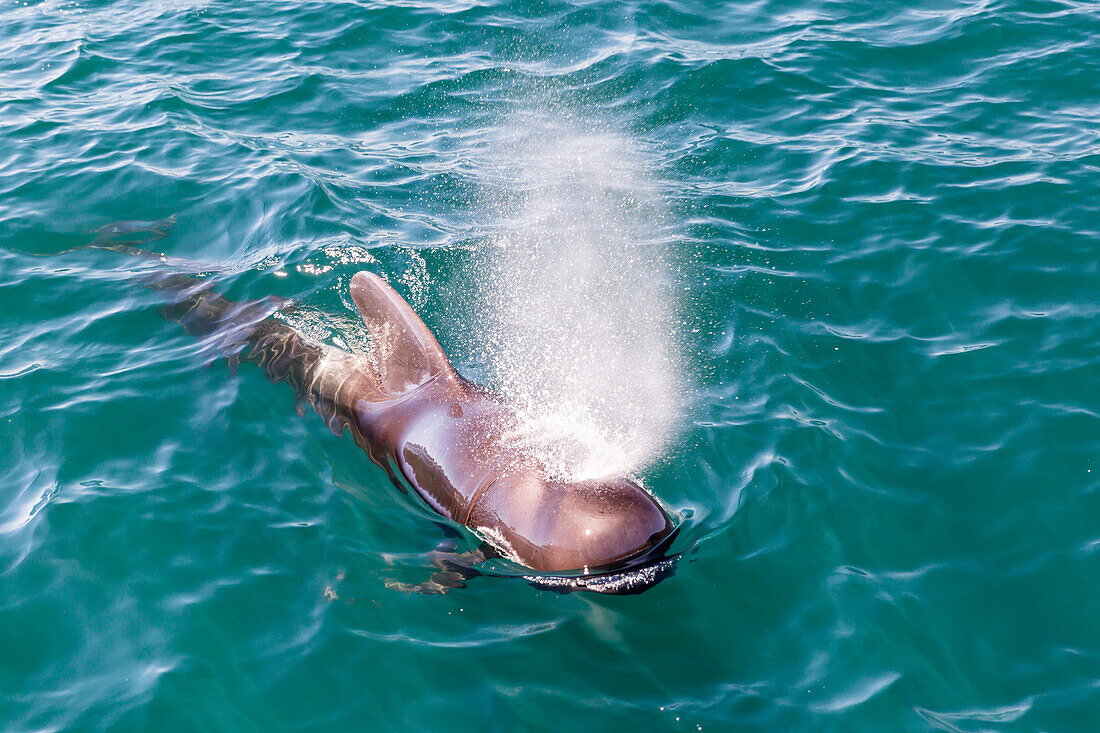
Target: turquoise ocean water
853, 247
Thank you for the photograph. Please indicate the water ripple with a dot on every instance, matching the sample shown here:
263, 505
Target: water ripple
882, 221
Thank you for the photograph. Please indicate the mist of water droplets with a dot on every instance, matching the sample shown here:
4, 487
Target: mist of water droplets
575, 294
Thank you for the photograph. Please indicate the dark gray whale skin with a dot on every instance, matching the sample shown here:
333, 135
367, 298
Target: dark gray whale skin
448, 439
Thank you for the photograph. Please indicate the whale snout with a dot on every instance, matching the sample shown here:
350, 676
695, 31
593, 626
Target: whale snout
630, 579
612, 523
633, 559
580, 526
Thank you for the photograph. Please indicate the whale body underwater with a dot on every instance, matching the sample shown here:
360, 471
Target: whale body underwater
449, 440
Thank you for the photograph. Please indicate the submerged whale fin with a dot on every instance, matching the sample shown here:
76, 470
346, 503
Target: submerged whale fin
455, 568
406, 353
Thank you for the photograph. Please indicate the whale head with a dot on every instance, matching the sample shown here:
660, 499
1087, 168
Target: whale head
577, 531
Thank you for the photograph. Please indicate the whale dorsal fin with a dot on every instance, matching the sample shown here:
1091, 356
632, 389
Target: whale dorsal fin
406, 354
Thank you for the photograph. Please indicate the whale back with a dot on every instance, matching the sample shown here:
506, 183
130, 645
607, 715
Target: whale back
406, 353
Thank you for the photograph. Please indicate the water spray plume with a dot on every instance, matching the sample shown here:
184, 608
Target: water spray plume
576, 297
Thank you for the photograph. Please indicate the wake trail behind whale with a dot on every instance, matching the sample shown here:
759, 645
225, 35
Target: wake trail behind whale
576, 296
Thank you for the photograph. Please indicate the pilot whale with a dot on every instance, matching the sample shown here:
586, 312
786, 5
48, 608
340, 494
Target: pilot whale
445, 438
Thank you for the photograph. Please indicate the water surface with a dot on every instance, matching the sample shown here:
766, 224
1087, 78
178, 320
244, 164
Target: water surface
863, 239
